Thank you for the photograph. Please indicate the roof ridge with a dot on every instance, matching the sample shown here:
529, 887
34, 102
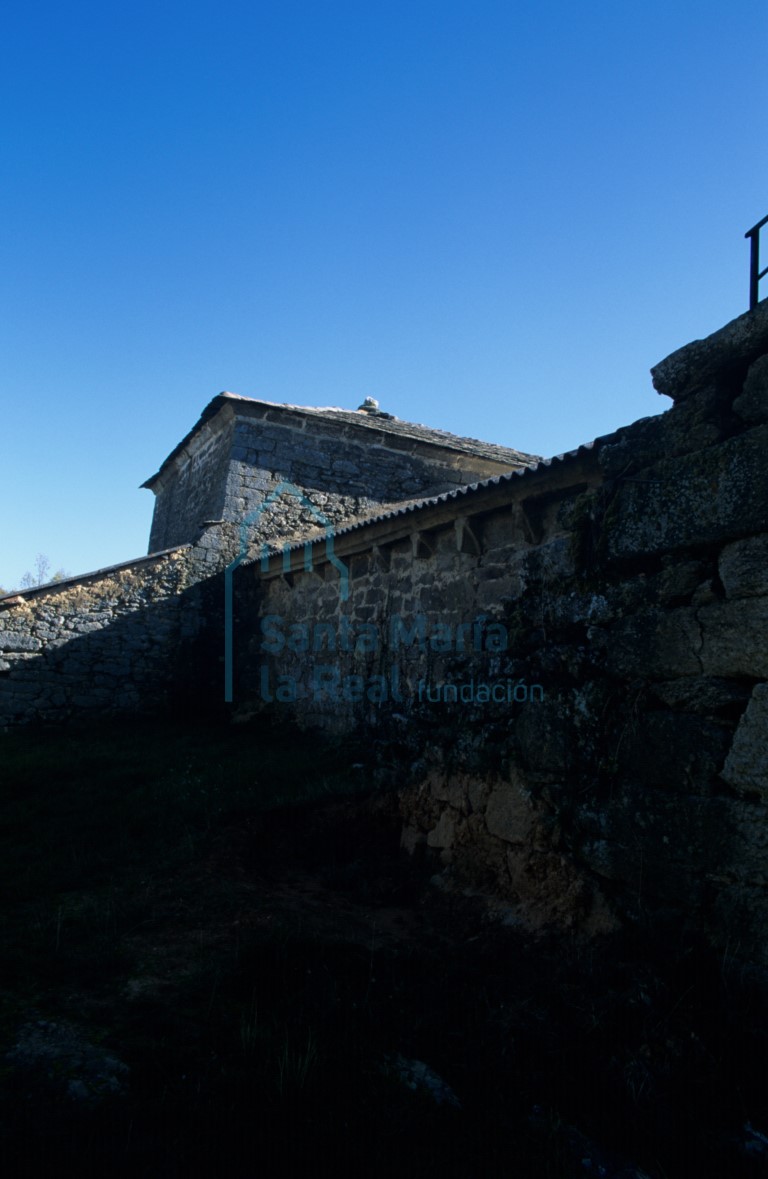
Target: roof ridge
382, 422
373, 419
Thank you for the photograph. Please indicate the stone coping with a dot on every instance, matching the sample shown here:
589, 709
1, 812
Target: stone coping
47, 587
699, 363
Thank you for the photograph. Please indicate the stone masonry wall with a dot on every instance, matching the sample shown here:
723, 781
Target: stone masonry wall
194, 495
104, 645
246, 450
564, 670
107, 643
567, 671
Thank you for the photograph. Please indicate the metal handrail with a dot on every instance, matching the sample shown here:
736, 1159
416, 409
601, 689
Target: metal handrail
755, 273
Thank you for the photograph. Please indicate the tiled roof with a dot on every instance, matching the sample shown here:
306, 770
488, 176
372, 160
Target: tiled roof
392, 511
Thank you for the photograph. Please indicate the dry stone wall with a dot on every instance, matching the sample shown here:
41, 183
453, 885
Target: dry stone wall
104, 645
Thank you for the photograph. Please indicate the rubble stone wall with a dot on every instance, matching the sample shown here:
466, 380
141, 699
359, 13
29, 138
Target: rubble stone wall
104, 645
567, 673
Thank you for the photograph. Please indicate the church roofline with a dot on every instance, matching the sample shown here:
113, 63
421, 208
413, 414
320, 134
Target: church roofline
377, 422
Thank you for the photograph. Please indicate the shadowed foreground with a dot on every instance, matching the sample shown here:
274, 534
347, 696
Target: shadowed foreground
217, 961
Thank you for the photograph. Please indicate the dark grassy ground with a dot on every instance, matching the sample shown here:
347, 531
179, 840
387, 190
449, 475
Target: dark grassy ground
226, 911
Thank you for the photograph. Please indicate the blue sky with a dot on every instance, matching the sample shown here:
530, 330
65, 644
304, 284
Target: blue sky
493, 217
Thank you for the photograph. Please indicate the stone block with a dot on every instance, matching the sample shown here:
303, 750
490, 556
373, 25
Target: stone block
734, 638
705, 593
10, 641
701, 362
551, 561
345, 468
687, 427
752, 403
703, 498
678, 580
657, 643
85, 626
493, 593
746, 767
448, 789
444, 833
509, 813
743, 566
255, 480
478, 792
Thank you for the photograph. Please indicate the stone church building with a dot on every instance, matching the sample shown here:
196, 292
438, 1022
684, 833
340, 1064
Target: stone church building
348, 464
